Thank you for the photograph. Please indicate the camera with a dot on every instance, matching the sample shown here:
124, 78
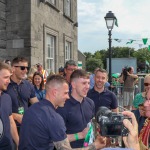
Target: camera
111, 123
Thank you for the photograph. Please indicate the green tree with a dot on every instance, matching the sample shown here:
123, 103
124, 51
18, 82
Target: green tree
142, 55
93, 63
88, 55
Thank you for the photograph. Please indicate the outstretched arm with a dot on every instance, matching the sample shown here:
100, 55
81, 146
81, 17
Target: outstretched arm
65, 145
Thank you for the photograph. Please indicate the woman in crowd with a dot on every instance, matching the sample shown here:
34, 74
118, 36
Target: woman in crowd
140, 97
38, 83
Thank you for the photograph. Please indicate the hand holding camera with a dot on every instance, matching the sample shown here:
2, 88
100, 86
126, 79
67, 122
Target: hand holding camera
131, 141
121, 124
111, 124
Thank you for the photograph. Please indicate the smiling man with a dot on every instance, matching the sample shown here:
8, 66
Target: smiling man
78, 110
100, 95
43, 127
7, 125
20, 90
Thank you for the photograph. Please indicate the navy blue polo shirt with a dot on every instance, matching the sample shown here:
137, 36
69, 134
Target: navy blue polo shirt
41, 126
5, 112
24, 91
76, 116
105, 98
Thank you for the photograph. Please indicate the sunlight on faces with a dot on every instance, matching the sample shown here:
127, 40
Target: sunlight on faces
37, 80
100, 79
81, 86
20, 74
4, 79
61, 94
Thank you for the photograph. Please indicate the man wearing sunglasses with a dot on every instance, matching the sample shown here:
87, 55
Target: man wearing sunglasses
8, 128
20, 90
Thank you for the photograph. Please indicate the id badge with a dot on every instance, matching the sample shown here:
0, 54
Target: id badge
21, 110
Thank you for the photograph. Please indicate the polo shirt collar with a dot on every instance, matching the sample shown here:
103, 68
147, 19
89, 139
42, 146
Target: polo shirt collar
93, 90
47, 102
74, 101
12, 82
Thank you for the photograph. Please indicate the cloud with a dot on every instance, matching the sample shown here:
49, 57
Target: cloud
133, 20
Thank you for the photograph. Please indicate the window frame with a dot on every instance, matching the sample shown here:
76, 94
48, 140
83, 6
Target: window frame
52, 32
68, 45
50, 52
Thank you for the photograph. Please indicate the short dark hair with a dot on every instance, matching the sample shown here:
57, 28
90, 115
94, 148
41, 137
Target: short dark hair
71, 63
4, 66
18, 59
79, 73
101, 70
55, 79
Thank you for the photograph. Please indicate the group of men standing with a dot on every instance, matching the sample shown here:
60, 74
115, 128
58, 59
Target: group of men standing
41, 126
15, 95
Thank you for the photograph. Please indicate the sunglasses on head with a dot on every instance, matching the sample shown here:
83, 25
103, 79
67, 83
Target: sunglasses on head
146, 84
22, 67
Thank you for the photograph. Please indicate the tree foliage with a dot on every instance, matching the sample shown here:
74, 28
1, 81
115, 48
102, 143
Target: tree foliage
93, 63
99, 58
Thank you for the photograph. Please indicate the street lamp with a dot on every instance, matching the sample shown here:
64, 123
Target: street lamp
110, 19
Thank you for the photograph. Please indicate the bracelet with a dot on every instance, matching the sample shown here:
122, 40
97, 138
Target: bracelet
76, 136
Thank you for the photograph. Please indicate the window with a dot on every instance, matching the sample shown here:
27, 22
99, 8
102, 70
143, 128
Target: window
51, 40
67, 7
51, 2
67, 51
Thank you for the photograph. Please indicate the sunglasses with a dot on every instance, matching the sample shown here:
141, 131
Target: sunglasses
146, 84
22, 67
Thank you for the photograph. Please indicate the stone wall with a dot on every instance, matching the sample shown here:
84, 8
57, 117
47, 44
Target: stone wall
2, 29
46, 19
25, 23
18, 18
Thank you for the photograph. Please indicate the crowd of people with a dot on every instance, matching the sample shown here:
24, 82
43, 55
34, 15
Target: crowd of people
44, 111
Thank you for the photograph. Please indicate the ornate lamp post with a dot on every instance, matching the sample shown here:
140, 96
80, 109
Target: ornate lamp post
110, 19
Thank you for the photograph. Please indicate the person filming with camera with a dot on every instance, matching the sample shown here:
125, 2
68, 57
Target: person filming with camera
128, 78
131, 140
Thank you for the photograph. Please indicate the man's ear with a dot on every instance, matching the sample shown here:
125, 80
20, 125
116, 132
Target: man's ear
13, 68
54, 92
73, 84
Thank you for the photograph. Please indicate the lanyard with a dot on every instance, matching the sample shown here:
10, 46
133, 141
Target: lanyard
20, 101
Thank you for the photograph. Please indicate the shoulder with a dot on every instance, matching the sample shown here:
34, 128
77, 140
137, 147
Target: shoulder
26, 82
91, 92
6, 100
109, 92
65, 109
5, 95
88, 100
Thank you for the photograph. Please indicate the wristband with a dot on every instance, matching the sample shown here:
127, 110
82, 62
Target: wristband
76, 136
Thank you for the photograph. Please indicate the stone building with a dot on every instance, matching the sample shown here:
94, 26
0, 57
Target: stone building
44, 31
81, 59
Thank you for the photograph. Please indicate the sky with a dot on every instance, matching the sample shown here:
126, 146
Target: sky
133, 23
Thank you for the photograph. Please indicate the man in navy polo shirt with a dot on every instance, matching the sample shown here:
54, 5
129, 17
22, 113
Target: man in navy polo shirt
100, 95
21, 91
8, 128
42, 125
78, 110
